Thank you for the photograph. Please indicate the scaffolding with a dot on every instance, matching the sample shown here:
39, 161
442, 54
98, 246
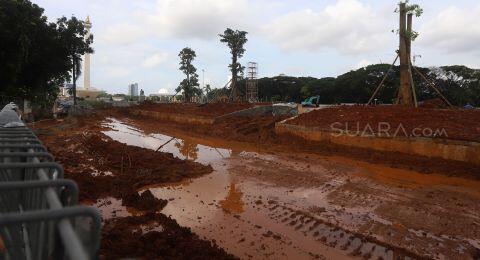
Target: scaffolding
251, 91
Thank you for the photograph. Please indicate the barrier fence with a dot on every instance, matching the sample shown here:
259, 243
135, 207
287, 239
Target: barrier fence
39, 215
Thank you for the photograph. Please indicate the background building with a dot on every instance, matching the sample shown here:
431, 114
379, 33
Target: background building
133, 90
65, 90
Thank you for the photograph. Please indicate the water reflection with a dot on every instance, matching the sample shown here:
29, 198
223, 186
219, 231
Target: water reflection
180, 148
187, 149
233, 202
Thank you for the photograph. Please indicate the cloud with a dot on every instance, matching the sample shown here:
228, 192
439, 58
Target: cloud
348, 26
155, 60
182, 19
123, 34
163, 91
362, 64
117, 71
453, 30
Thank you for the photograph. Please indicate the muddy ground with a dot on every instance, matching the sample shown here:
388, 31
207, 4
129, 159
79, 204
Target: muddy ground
276, 197
458, 124
105, 168
208, 110
259, 133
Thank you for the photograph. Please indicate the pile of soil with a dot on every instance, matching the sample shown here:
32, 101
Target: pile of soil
458, 124
435, 103
131, 167
127, 238
259, 131
245, 128
78, 145
207, 110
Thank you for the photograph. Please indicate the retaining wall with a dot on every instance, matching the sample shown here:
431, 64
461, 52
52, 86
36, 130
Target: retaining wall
429, 147
180, 118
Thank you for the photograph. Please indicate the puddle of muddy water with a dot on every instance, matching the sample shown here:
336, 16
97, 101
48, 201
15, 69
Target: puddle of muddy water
180, 148
249, 217
110, 207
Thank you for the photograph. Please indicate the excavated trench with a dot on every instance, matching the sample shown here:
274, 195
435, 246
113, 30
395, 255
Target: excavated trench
301, 206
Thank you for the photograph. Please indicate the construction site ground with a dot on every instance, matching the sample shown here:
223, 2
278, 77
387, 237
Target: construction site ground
207, 110
459, 124
236, 189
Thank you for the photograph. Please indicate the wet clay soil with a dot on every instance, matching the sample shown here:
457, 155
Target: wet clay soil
458, 124
267, 199
104, 168
259, 133
301, 205
209, 110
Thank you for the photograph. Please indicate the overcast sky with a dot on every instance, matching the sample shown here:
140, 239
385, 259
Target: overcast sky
139, 40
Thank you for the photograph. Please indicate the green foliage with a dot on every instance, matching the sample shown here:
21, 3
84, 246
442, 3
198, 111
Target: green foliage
412, 35
459, 84
411, 9
235, 41
34, 57
189, 85
414, 9
73, 36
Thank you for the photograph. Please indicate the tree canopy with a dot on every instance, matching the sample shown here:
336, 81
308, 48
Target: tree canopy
76, 42
34, 57
235, 40
189, 85
461, 85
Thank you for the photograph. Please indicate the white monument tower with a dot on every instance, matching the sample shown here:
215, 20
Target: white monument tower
88, 92
86, 62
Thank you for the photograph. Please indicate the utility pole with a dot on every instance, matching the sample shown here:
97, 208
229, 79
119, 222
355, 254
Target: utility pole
405, 91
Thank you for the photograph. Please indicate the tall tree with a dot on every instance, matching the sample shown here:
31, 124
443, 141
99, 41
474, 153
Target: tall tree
32, 60
235, 41
189, 85
73, 35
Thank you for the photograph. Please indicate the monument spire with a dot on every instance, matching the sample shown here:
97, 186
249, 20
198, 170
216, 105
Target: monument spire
86, 61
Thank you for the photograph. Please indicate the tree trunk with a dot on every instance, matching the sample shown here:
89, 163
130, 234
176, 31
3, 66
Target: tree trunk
405, 91
74, 89
186, 91
409, 54
234, 78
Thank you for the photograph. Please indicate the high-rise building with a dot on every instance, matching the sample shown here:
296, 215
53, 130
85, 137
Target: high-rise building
133, 90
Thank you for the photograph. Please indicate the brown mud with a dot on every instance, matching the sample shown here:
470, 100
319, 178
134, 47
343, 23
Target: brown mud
277, 197
209, 110
104, 168
258, 132
301, 205
134, 236
458, 124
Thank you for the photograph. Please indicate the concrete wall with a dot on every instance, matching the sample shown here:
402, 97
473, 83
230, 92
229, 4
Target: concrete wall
429, 147
180, 118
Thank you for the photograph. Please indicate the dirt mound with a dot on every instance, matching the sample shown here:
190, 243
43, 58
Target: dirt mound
260, 131
145, 201
433, 103
455, 124
130, 167
82, 149
208, 110
130, 237
119, 170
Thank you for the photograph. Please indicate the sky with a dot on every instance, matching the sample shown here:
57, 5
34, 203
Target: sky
139, 40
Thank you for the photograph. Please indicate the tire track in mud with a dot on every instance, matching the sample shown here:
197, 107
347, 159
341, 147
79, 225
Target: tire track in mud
322, 232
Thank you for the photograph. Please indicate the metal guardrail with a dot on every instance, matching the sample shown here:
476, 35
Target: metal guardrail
39, 216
